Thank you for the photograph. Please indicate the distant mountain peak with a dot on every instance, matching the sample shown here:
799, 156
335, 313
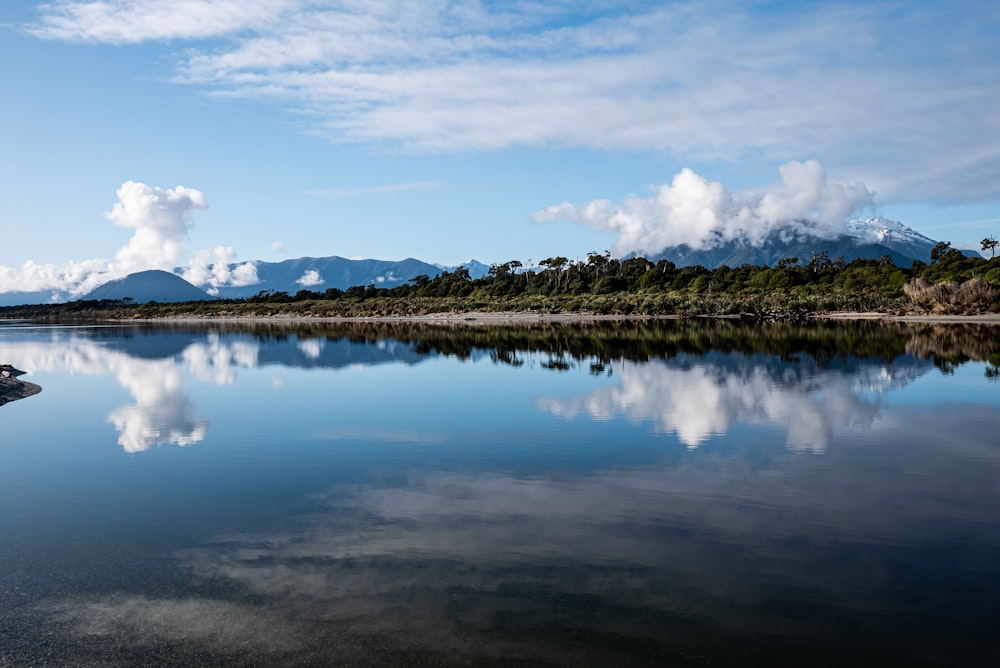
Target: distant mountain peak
153, 285
869, 238
880, 230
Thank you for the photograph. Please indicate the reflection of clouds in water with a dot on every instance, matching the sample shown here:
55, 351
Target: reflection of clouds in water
702, 400
163, 412
216, 361
137, 620
711, 540
311, 348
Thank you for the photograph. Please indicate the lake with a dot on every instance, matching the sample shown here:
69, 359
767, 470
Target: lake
648, 493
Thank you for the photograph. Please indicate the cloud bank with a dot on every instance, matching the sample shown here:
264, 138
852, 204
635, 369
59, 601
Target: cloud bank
902, 94
702, 214
162, 220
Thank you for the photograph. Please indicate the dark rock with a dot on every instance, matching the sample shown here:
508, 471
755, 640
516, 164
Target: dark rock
12, 389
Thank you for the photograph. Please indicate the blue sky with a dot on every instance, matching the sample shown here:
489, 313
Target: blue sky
494, 130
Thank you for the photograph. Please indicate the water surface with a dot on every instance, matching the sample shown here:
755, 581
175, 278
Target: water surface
660, 493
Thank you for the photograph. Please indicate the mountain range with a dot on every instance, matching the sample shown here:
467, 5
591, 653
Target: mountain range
868, 239
322, 273
872, 238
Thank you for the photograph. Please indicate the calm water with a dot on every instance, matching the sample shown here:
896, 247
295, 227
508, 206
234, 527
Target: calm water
668, 493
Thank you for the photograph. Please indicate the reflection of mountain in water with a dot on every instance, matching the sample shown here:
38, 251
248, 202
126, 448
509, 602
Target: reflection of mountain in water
699, 396
151, 365
692, 379
303, 350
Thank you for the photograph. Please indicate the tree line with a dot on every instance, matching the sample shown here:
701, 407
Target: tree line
950, 282
602, 274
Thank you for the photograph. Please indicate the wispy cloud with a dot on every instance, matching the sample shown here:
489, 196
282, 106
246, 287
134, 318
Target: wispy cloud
901, 95
130, 22
383, 189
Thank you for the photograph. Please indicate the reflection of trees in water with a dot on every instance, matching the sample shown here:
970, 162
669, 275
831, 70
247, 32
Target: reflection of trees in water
213, 353
824, 341
956, 343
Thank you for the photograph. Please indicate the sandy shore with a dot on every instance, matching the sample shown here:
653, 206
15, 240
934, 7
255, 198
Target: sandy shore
984, 319
470, 318
525, 318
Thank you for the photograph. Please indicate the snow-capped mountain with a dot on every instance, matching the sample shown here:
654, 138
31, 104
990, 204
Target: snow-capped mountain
476, 268
892, 234
868, 239
321, 273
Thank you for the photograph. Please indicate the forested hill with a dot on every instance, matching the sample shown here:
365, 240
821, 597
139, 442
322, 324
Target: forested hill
951, 283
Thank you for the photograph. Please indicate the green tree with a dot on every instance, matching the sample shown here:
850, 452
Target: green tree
990, 244
940, 249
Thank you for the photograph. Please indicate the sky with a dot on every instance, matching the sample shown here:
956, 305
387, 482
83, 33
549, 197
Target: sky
141, 134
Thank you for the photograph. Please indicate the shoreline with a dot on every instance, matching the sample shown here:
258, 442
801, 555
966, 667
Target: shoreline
500, 318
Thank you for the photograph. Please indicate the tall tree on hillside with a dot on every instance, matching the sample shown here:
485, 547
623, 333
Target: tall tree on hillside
990, 244
939, 250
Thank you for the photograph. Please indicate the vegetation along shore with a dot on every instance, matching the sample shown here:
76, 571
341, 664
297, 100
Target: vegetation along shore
951, 284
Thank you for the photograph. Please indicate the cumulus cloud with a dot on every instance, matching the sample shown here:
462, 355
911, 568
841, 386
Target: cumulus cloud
906, 109
310, 279
72, 278
701, 213
277, 246
162, 219
214, 268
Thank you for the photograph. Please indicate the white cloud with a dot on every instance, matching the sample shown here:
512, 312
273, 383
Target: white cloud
310, 279
119, 22
72, 277
213, 268
162, 220
277, 246
901, 95
700, 213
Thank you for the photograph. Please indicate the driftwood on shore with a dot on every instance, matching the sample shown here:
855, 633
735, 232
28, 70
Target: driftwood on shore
12, 388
